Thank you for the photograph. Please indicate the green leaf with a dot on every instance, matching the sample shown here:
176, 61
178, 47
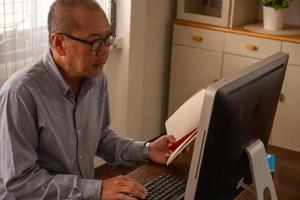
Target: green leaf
276, 4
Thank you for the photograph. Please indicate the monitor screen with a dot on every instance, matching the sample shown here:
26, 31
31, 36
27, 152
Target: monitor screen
236, 111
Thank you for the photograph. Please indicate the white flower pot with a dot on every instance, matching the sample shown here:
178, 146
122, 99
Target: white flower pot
273, 19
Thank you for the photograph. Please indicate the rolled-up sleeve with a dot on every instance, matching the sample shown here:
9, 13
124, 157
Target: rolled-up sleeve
20, 174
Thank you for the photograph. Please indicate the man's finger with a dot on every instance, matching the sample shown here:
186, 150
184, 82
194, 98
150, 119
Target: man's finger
133, 192
131, 186
171, 139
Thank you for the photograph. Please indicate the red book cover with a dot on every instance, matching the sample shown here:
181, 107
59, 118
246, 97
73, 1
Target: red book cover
181, 140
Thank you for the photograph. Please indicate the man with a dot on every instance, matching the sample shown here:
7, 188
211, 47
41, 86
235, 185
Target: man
54, 117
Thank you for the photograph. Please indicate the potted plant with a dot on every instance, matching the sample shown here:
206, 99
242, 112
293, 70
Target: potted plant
273, 13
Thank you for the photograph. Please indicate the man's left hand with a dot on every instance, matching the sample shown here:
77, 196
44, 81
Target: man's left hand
158, 150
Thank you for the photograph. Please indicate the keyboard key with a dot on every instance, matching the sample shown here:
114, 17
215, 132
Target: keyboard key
166, 187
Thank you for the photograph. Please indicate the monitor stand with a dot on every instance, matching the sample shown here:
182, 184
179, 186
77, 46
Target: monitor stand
261, 175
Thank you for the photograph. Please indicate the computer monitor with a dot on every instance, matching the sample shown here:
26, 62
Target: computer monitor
237, 111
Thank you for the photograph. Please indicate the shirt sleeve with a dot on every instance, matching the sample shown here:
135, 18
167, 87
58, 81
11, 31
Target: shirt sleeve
21, 176
113, 148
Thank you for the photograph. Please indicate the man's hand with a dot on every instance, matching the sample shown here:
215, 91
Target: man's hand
122, 187
158, 150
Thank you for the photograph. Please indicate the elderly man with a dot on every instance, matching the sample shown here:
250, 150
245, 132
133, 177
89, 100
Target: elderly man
54, 117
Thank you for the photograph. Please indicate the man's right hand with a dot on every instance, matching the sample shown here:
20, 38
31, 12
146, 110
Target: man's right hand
122, 187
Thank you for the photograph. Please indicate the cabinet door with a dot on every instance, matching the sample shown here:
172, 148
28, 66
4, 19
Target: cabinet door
191, 70
293, 49
233, 63
211, 12
286, 128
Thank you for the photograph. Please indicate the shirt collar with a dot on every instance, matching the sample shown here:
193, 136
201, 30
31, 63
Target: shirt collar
56, 75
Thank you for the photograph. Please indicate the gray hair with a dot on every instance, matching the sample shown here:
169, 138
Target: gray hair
60, 16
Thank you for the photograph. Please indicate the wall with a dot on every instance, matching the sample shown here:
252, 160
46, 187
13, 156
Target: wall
117, 70
138, 74
151, 30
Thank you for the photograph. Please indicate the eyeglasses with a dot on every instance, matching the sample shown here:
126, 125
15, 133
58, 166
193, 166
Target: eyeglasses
95, 44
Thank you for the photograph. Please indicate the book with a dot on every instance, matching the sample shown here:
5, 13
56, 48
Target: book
183, 124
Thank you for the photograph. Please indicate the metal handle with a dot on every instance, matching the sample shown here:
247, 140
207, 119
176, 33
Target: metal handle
251, 47
197, 38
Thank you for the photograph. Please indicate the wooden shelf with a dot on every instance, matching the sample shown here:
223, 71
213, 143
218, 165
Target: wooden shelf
239, 30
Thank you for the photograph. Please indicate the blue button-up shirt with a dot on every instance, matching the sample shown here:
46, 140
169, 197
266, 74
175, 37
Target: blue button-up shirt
48, 139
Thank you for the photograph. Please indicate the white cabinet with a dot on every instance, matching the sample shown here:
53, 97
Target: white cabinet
191, 70
241, 51
227, 13
286, 128
293, 50
215, 12
195, 64
199, 38
250, 46
234, 63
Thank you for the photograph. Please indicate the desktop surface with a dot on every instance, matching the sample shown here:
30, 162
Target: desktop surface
286, 176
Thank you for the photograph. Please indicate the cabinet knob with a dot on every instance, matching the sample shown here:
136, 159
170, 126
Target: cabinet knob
281, 98
197, 38
251, 47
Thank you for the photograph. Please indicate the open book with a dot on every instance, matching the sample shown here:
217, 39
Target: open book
183, 124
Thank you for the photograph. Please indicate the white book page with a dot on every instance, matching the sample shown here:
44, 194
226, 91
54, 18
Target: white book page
187, 116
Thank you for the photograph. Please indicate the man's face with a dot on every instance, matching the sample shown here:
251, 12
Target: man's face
80, 59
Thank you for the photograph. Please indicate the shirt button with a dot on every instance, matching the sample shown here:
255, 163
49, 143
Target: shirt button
78, 131
80, 157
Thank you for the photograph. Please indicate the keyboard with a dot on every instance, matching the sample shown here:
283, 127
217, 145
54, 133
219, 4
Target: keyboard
166, 187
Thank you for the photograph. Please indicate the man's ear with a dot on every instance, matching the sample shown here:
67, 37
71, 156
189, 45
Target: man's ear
58, 43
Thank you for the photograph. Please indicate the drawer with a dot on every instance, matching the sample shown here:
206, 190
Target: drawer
250, 46
234, 63
197, 37
294, 50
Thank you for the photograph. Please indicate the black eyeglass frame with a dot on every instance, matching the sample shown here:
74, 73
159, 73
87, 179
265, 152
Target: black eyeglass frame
95, 44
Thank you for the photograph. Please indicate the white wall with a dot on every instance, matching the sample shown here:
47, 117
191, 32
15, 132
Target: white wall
149, 66
138, 73
117, 70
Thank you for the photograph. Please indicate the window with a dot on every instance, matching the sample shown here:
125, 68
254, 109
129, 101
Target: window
24, 34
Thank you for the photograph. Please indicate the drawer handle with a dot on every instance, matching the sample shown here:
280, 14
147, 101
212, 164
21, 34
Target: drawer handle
197, 38
281, 97
251, 47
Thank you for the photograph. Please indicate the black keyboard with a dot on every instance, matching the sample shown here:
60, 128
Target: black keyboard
166, 187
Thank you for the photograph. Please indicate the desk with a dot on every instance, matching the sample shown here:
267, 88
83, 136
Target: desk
286, 177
